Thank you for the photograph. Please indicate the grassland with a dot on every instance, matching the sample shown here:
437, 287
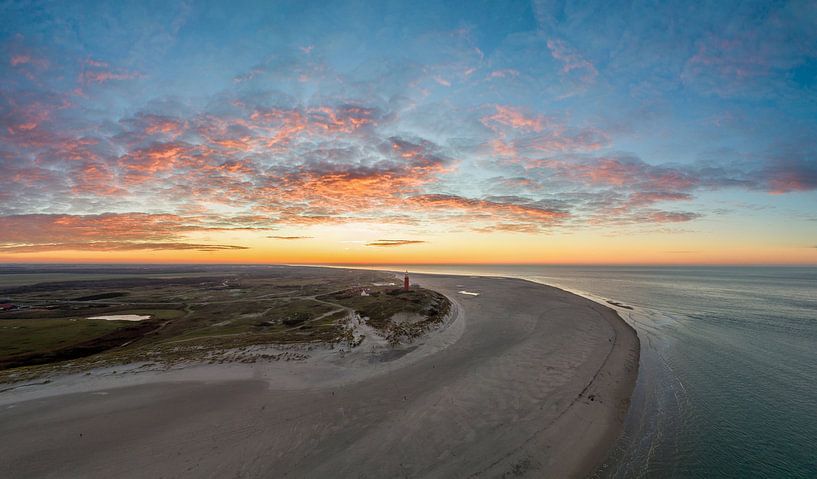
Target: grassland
23, 337
194, 313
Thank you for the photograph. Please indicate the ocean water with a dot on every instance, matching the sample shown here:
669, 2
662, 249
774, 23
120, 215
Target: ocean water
727, 383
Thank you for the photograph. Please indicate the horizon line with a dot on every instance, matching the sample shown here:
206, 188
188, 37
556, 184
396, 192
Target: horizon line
393, 263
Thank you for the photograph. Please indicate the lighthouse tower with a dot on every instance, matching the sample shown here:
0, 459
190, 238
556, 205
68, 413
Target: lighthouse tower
406, 282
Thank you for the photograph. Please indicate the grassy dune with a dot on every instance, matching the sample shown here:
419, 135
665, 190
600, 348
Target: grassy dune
193, 314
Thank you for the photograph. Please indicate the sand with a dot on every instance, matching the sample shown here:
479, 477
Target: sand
524, 380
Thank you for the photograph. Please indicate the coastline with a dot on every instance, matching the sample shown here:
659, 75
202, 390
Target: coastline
526, 378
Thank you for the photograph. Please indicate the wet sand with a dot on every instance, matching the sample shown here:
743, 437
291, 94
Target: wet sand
525, 380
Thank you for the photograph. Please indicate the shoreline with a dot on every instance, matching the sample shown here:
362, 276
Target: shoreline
536, 395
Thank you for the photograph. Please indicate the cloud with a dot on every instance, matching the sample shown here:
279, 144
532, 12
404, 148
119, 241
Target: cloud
110, 232
393, 242
19, 60
515, 118
24, 59
755, 56
23, 115
790, 168
294, 139
622, 171
485, 213
649, 197
624, 217
509, 228
146, 127
786, 170
504, 73
575, 68
250, 75
672, 216
290, 237
45, 228
520, 135
106, 76
95, 71
351, 180
115, 246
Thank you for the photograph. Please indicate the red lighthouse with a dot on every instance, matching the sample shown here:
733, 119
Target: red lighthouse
406, 282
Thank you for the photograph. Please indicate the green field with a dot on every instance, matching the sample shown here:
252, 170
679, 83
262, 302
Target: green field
197, 311
25, 336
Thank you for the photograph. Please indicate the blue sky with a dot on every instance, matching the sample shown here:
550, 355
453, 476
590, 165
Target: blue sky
185, 127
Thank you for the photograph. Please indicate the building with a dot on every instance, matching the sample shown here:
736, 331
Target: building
406, 284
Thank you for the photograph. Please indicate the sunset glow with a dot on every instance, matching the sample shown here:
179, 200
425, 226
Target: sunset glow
518, 132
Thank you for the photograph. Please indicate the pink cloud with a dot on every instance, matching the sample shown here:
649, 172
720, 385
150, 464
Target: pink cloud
519, 135
95, 71
105, 76
790, 181
27, 59
514, 118
650, 197
522, 212
573, 64
19, 60
614, 171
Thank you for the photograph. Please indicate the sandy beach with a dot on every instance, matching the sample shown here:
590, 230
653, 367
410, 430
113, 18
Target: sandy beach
523, 380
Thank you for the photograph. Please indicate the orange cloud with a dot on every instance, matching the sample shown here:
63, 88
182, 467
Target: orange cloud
344, 119
514, 118
156, 124
117, 246
338, 188
393, 242
113, 231
96, 178
61, 228
141, 164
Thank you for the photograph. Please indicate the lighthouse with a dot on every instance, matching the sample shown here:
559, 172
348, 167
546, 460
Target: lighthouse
406, 282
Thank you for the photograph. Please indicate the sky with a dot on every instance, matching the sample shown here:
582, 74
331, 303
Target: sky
609, 132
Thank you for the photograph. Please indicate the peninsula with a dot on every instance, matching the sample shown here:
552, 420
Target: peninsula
520, 379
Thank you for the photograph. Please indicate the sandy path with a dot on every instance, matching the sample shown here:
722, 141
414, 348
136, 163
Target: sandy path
511, 395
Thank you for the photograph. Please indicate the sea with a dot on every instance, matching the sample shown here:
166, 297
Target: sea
727, 384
